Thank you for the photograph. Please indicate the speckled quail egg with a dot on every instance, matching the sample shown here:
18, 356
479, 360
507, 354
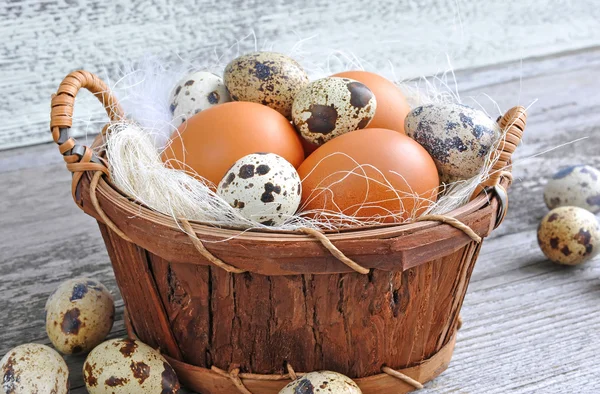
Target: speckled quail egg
125, 366
34, 368
332, 106
197, 92
322, 382
569, 235
263, 187
267, 78
457, 137
79, 315
577, 186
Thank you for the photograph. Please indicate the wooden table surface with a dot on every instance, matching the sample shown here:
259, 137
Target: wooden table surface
530, 326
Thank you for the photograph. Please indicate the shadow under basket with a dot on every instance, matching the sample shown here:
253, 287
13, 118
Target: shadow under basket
295, 306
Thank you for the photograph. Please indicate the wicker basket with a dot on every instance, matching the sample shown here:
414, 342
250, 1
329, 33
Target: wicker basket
296, 303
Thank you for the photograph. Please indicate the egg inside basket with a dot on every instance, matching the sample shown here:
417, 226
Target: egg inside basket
266, 147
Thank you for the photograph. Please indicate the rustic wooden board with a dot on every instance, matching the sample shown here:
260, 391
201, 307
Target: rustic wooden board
529, 326
43, 41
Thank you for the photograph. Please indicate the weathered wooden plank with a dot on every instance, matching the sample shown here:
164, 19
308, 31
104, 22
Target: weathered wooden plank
43, 41
530, 326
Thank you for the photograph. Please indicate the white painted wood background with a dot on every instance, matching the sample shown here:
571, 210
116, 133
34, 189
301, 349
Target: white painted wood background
41, 41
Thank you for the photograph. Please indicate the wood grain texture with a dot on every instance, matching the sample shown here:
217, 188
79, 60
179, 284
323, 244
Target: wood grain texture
207, 380
350, 323
529, 326
43, 41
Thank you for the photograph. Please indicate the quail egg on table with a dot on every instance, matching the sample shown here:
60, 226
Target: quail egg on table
127, 366
267, 78
569, 235
322, 382
332, 106
263, 187
459, 138
34, 368
197, 92
79, 315
577, 186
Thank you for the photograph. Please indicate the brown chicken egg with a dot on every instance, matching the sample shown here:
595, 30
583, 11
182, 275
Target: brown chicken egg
211, 141
309, 147
392, 106
371, 174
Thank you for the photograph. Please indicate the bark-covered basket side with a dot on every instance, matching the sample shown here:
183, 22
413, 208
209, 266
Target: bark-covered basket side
349, 323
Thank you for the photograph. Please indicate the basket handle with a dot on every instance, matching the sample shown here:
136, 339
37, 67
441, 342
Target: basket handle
79, 158
512, 123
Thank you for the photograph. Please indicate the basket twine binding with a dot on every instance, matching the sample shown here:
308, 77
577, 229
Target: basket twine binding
81, 159
234, 376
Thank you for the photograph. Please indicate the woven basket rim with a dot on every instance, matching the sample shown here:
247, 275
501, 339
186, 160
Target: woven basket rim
114, 195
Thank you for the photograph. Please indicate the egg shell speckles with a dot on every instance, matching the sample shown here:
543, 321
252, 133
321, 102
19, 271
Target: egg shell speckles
322, 382
196, 92
79, 315
126, 366
457, 137
332, 106
34, 368
569, 235
263, 187
267, 78
577, 186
